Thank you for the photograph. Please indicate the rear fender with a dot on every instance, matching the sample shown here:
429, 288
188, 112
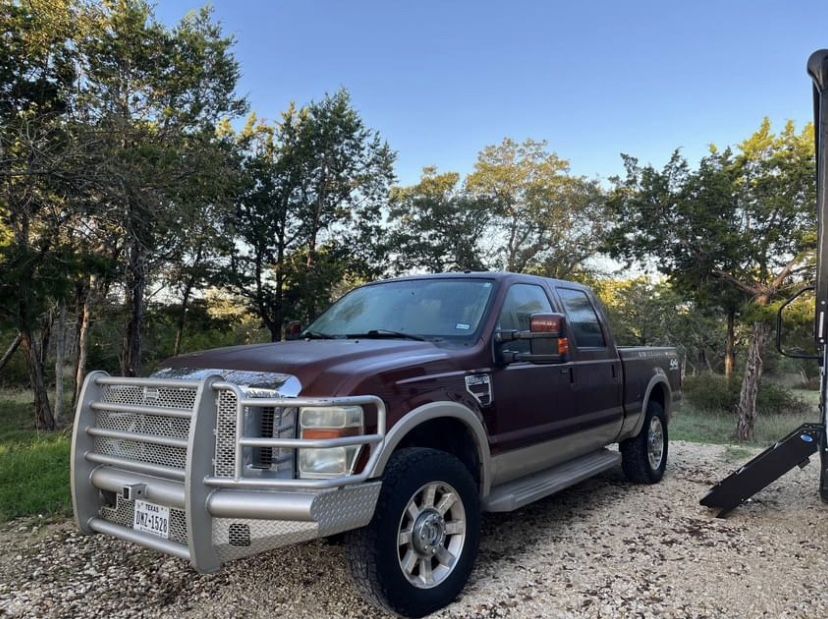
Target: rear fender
657, 379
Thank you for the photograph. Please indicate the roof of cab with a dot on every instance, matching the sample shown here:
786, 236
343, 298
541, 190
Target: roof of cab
495, 275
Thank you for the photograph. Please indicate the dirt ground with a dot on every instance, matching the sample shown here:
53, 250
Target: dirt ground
601, 549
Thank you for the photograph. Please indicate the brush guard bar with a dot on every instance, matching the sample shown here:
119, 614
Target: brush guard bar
214, 519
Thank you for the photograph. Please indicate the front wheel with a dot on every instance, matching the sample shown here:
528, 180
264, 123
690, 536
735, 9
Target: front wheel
416, 554
644, 456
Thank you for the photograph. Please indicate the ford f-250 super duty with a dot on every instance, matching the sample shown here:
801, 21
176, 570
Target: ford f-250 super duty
403, 412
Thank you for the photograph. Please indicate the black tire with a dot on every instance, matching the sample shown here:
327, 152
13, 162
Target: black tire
374, 552
635, 458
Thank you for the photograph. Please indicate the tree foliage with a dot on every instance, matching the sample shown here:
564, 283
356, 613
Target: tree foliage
132, 203
546, 221
740, 228
310, 210
436, 226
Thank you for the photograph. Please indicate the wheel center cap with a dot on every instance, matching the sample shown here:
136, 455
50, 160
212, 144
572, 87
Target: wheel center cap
428, 532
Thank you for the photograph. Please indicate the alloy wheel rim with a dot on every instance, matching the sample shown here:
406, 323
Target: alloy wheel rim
431, 534
655, 443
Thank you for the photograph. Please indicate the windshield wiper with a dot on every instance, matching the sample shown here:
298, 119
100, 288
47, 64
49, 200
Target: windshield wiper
380, 333
316, 335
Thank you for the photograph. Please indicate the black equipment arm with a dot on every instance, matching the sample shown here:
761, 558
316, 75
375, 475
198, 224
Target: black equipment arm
818, 70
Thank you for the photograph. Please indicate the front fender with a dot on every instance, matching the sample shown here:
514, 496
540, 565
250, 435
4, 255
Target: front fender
436, 410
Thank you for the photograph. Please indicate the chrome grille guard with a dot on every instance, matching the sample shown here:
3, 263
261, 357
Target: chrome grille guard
154, 439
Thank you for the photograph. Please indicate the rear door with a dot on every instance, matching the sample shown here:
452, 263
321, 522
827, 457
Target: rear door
532, 402
596, 370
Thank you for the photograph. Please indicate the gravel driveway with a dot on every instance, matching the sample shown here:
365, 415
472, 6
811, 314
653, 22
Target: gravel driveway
601, 549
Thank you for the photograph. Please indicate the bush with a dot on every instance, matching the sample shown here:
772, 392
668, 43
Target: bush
713, 393
775, 399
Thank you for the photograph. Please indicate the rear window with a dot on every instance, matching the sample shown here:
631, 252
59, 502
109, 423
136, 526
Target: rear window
582, 318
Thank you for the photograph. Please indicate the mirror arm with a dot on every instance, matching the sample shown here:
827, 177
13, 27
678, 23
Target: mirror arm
525, 356
510, 336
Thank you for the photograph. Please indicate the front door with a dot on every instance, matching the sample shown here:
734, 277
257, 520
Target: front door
533, 403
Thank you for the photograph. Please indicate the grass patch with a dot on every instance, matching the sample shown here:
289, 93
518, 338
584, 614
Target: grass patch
690, 424
735, 453
34, 466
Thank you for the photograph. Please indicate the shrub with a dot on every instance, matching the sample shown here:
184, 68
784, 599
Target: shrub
775, 399
712, 393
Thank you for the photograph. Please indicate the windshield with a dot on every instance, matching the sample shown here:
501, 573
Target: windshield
427, 308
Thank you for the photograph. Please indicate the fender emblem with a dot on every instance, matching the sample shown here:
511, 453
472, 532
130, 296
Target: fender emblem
480, 388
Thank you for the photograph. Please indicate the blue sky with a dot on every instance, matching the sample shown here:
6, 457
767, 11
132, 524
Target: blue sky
440, 80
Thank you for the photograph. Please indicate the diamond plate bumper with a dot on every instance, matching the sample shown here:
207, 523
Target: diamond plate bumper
212, 520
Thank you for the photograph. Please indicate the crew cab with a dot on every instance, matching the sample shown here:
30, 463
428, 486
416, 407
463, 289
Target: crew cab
402, 413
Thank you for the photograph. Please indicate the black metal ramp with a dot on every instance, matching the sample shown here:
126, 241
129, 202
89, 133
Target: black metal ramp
768, 466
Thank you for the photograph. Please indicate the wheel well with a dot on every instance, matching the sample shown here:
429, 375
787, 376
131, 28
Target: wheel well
449, 435
659, 394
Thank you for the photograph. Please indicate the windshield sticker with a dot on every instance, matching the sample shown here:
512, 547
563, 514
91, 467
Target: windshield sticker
462, 326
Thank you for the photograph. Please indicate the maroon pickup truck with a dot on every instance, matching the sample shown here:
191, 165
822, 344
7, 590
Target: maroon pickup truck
401, 414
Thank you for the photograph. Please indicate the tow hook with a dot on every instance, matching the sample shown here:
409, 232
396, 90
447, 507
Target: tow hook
133, 491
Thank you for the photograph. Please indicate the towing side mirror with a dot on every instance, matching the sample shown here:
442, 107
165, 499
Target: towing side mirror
547, 343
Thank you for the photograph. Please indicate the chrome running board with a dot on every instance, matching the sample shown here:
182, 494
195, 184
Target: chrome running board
520, 492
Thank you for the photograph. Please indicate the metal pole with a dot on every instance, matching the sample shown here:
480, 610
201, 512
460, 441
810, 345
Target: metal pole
818, 70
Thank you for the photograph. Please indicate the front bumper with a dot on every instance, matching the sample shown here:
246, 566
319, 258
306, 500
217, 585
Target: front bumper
212, 518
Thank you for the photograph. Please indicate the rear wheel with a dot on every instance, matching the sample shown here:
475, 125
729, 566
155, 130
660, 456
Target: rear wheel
644, 456
416, 554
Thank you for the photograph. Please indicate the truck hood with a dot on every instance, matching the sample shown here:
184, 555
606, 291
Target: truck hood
322, 367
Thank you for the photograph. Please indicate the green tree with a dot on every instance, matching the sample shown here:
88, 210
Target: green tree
310, 212
38, 175
647, 313
546, 221
436, 226
740, 227
154, 97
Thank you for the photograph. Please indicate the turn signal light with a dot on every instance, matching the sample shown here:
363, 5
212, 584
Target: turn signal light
326, 433
563, 346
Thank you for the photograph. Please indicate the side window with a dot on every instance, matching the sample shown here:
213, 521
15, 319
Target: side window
582, 318
521, 302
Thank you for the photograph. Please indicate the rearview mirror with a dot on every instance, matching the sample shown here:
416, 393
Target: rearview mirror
547, 343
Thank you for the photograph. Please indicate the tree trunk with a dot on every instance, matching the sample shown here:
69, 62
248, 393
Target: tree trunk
730, 345
60, 354
136, 287
182, 319
10, 351
84, 318
746, 409
34, 362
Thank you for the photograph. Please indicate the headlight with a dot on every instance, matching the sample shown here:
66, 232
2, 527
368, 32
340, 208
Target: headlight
326, 422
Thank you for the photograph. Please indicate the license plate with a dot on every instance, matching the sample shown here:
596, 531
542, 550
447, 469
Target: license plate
152, 518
